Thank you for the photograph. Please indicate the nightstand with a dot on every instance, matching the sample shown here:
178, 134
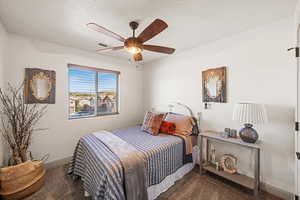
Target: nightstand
248, 182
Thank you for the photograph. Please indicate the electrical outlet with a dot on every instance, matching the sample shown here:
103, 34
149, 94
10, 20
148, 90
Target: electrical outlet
207, 105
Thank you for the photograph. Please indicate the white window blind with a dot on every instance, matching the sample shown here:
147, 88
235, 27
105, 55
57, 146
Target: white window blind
92, 91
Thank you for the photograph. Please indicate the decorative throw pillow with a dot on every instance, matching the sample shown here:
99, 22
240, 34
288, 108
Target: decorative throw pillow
183, 123
152, 122
167, 127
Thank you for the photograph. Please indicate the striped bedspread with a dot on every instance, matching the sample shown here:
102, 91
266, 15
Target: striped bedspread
101, 170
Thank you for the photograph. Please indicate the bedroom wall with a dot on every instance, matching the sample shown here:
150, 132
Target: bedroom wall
2, 55
260, 70
62, 134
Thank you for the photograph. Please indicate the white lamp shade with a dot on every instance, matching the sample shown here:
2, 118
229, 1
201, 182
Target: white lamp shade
250, 113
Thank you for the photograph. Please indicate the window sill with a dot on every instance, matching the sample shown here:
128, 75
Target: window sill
94, 116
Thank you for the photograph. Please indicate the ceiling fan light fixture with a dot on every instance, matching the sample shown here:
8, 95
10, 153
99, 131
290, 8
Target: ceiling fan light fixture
133, 49
133, 45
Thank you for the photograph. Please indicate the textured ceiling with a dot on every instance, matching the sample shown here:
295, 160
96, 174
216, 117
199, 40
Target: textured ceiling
191, 22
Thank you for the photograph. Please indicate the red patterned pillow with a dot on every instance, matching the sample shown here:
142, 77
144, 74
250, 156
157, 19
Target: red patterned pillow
152, 122
167, 127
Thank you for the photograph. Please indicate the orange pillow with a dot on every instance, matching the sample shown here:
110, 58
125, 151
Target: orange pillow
152, 122
183, 123
167, 127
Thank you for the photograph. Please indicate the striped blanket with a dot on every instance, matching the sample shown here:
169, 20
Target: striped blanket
133, 163
101, 170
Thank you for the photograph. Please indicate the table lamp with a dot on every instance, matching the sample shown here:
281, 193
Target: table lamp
249, 114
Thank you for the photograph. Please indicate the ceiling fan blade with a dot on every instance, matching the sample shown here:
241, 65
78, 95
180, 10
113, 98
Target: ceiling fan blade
111, 48
159, 49
105, 31
152, 30
138, 57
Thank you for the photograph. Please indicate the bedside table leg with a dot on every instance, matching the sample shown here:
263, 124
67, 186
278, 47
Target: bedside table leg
200, 155
257, 171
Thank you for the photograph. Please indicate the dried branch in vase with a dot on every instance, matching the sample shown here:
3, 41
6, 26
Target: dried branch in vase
18, 121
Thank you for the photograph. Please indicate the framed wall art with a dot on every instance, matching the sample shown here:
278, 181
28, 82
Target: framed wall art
214, 85
39, 86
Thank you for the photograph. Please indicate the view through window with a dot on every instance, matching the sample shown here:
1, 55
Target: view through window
92, 92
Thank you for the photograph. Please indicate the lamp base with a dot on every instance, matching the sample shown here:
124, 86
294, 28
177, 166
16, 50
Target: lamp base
248, 134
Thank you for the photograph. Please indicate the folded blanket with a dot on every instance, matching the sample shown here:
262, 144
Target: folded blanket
133, 164
190, 141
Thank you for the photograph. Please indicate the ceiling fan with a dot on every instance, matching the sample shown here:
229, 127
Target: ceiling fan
135, 45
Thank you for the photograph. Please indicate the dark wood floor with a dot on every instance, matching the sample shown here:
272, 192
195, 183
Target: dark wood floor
60, 186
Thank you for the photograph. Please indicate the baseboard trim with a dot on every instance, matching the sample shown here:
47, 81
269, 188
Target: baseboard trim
277, 191
57, 163
264, 186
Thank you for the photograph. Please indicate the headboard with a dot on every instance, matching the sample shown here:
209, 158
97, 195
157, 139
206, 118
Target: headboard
179, 108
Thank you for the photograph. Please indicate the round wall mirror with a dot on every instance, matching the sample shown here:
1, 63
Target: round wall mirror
40, 85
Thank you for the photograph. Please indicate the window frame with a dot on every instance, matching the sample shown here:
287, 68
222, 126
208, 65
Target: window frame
94, 69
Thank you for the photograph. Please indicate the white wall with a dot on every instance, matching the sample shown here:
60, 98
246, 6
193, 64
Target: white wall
260, 70
2, 55
63, 134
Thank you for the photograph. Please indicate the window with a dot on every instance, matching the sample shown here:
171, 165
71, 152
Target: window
92, 91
